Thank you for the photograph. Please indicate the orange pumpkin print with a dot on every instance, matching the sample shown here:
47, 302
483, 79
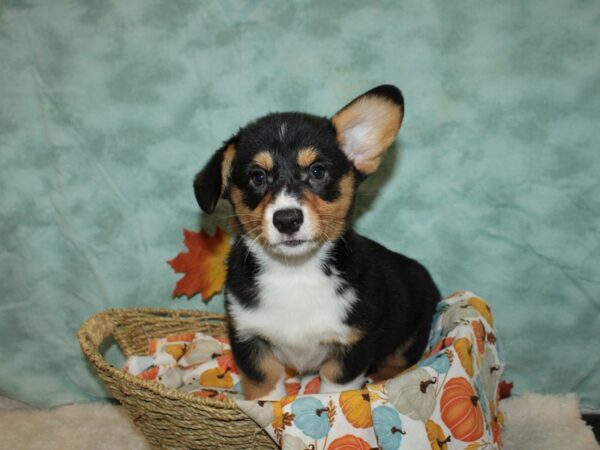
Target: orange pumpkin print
479, 331
149, 374
460, 410
349, 442
222, 339
356, 407
206, 393
226, 361
482, 308
436, 436
313, 386
439, 345
153, 346
464, 348
292, 388
219, 378
175, 350
183, 337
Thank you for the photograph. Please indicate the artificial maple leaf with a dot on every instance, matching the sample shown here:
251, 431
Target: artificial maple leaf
204, 265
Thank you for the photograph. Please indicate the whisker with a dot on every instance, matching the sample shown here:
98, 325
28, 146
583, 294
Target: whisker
250, 247
246, 234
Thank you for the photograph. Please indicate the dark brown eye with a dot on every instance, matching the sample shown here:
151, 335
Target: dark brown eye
258, 177
317, 171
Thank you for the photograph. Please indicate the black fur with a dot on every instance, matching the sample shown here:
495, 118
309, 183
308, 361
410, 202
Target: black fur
396, 295
397, 301
208, 183
302, 131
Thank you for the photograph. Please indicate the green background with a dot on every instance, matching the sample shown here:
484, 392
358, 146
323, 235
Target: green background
109, 108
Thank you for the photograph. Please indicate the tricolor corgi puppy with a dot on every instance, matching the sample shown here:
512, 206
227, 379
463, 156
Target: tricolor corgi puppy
304, 291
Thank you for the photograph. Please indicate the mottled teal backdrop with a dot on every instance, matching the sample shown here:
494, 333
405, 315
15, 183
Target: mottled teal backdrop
108, 109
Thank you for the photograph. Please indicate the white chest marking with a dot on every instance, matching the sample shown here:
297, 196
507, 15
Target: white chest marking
299, 310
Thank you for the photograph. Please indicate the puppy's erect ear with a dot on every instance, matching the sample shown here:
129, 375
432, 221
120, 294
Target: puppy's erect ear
211, 182
368, 125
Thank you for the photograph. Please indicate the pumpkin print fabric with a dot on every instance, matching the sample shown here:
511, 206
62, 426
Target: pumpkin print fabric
449, 400
196, 363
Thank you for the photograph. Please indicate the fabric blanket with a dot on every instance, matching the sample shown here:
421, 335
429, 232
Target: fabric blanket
449, 400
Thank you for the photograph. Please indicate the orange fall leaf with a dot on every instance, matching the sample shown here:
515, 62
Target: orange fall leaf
204, 264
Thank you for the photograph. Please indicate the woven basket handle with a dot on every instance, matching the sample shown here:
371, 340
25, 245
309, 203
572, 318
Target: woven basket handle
93, 333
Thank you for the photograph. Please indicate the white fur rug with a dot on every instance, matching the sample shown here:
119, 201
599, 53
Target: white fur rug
532, 422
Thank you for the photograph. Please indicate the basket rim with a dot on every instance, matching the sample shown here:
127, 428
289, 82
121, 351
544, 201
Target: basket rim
93, 355
159, 311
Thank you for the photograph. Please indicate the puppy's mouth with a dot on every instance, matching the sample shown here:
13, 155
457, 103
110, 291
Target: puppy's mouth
290, 247
293, 242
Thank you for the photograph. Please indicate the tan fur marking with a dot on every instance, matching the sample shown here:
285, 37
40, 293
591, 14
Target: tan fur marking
329, 218
331, 370
394, 363
354, 335
273, 372
226, 166
252, 220
396, 359
264, 160
386, 372
306, 157
385, 119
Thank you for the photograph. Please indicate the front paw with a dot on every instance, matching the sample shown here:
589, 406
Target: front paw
270, 386
328, 386
331, 375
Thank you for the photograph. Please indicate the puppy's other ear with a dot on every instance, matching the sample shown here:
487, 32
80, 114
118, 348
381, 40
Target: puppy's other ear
212, 181
368, 125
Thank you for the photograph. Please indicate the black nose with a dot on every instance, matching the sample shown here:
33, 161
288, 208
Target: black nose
288, 221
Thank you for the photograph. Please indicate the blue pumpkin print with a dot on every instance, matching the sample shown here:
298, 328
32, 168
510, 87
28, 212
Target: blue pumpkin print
441, 307
310, 415
388, 427
436, 335
440, 362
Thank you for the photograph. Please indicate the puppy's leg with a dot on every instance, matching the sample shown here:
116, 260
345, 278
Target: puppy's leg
332, 379
395, 363
270, 385
345, 369
262, 375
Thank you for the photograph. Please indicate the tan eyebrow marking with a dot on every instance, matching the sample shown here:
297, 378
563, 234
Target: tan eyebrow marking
307, 156
264, 160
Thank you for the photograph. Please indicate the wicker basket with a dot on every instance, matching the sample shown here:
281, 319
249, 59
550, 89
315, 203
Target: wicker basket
167, 417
